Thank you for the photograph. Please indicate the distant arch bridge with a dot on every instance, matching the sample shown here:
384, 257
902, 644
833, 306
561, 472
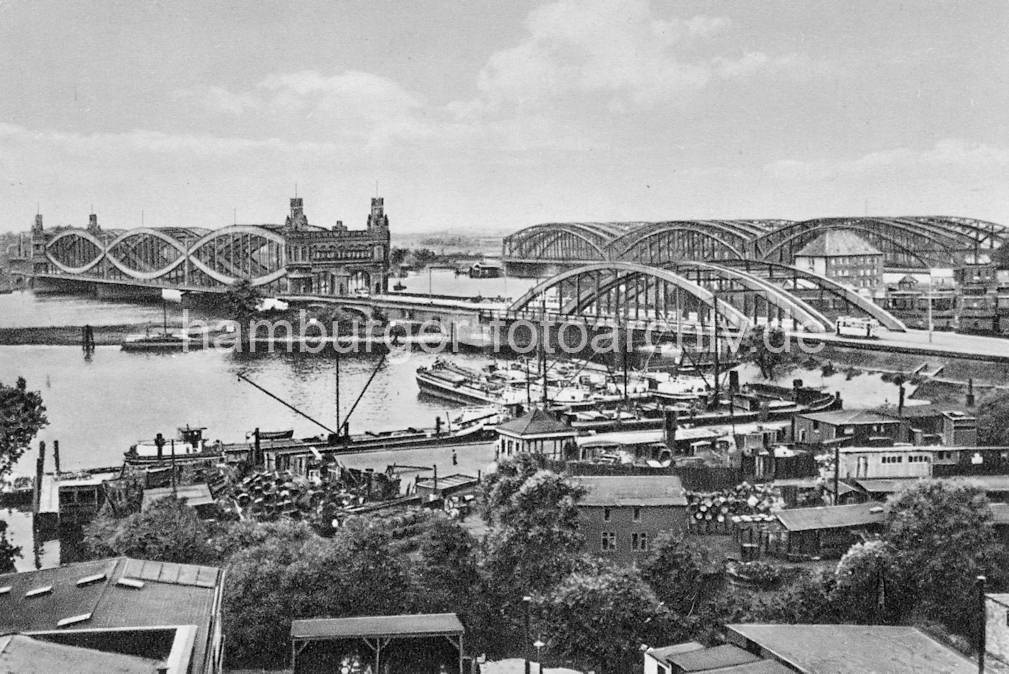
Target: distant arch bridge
186, 258
906, 242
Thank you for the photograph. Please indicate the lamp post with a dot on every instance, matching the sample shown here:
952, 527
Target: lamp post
930, 297
539, 658
527, 600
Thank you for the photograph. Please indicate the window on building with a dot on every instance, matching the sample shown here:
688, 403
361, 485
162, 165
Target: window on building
606, 514
637, 514
639, 542
608, 542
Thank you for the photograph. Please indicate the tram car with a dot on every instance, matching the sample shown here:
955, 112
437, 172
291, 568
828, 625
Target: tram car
850, 326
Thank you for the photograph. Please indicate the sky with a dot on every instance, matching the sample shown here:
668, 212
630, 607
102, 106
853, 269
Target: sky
489, 116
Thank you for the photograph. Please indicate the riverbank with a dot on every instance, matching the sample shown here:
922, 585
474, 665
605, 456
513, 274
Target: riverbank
70, 335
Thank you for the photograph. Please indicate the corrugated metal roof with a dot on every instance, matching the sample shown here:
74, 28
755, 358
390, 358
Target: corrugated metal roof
831, 517
853, 648
634, 490
409, 625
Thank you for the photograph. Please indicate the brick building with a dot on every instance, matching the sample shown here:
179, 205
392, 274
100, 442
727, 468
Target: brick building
621, 516
844, 257
337, 261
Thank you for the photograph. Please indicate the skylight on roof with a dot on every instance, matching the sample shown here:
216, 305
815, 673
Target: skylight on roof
74, 619
88, 580
130, 582
39, 591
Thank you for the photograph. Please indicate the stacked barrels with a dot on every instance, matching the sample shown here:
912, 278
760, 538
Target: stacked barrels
712, 512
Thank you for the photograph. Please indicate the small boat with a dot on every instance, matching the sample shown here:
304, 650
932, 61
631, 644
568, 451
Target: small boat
188, 446
276, 435
161, 342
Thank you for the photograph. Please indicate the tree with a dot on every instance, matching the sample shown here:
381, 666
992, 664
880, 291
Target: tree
257, 611
8, 551
674, 569
533, 544
805, 600
868, 586
274, 582
993, 421
943, 538
242, 300
22, 416
445, 575
770, 350
600, 619
237, 536
168, 531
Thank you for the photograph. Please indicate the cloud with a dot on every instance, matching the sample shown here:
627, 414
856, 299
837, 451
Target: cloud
620, 53
352, 104
13, 136
950, 154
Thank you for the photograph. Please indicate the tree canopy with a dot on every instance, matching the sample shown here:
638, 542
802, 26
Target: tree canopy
168, 531
993, 421
22, 416
600, 618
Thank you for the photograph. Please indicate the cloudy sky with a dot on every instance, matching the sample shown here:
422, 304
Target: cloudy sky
493, 115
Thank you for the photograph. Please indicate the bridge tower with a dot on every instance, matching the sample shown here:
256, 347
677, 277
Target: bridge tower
296, 221
39, 264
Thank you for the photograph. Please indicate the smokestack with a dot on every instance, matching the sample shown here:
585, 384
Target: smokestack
670, 422
900, 401
970, 392
56, 455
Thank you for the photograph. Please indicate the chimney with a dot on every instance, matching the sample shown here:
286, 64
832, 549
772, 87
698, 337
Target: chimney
970, 392
669, 418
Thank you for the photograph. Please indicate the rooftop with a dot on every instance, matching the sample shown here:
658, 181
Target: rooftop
889, 485
831, 517
852, 648
409, 625
19, 653
844, 417
638, 490
112, 593
693, 657
837, 242
536, 422
195, 495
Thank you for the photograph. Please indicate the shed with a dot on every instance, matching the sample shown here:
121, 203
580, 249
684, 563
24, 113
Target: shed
829, 530
534, 432
196, 496
376, 632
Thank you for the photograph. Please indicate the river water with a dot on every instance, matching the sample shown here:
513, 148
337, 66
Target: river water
99, 406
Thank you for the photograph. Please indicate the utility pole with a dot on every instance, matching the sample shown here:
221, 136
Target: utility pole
930, 297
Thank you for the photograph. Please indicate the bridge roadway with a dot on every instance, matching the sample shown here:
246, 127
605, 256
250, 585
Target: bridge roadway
942, 345
424, 307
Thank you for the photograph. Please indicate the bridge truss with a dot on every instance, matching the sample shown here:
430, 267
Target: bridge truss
906, 242
687, 297
183, 258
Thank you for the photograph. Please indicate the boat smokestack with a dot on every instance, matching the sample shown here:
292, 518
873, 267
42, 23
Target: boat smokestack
669, 424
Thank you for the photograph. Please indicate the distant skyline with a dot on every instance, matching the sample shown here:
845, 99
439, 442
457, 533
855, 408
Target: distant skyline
484, 115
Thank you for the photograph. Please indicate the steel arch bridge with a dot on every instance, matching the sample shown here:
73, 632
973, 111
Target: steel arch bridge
659, 243
906, 242
911, 241
186, 258
686, 296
